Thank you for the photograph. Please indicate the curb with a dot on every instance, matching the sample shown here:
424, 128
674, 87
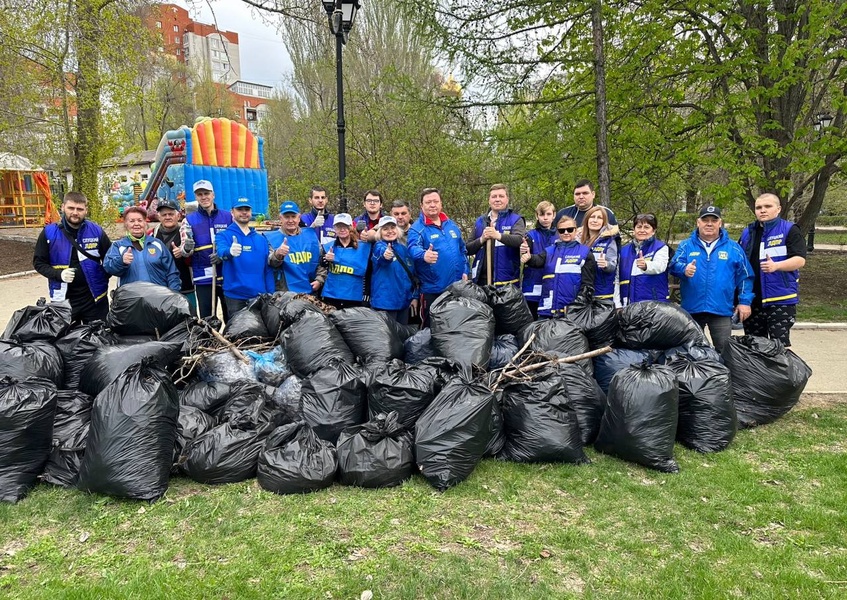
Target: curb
12, 237
16, 275
821, 326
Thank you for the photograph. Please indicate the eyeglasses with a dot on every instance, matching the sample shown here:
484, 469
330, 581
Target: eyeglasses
566, 229
373, 200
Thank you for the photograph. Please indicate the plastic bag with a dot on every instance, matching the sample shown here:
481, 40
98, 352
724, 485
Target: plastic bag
78, 346
312, 343
143, 308
192, 423
511, 312
270, 367
26, 428
246, 399
504, 348
295, 460
707, 419
271, 307
224, 367
657, 325
371, 335
227, 453
376, 454
402, 389
208, 396
334, 398
453, 433
642, 410
539, 422
767, 378
288, 397
247, 322
131, 438
606, 365
419, 347
587, 399
109, 362
70, 432
692, 352
465, 288
35, 359
556, 336
462, 330
596, 319
43, 322
292, 310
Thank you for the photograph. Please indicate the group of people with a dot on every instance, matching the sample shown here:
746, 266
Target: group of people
392, 263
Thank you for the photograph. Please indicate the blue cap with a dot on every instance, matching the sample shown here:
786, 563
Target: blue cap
289, 207
242, 202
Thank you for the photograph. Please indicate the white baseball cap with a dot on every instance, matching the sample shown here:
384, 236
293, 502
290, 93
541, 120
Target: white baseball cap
386, 220
203, 185
343, 219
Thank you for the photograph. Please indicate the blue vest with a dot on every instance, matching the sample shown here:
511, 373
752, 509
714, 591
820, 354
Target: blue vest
391, 286
507, 260
301, 265
781, 287
201, 222
562, 277
88, 238
604, 283
326, 231
642, 287
531, 287
346, 277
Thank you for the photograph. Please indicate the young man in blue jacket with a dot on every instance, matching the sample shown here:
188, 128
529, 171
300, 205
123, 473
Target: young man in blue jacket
715, 277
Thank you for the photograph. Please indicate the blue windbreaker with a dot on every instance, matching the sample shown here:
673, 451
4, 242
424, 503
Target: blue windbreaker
153, 263
247, 275
446, 239
391, 286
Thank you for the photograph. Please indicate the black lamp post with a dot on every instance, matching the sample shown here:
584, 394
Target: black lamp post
822, 121
341, 14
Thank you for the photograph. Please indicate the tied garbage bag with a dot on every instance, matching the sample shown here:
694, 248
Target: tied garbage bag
462, 330
587, 399
26, 428
228, 453
504, 348
192, 423
539, 421
657, 325
454, 432
606, 365
271, 307
465, 288
224, 367
558, 336
78, 346
109, 362
35, 359
208, 396
247, 322
376, 454
707, 420
287, 397
596, 319
402, 389
312, 343
419, 347
292, 309
270, 367
639, 424
511, 312
296, 461
691, 352
767, 378
43, 322
144, 308
247, 399
131, 436
70, 431
371, 335
334, 398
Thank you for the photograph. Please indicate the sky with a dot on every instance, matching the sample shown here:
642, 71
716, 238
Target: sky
263, 55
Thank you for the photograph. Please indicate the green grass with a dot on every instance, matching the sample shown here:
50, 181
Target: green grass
822, 284
831, 237
764, 519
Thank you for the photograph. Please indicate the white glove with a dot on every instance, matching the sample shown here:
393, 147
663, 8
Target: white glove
319, 221
235, 249
68, 275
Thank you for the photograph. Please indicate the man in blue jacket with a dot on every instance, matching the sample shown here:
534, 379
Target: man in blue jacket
295, 254
713, 272
498, 233
436, 244
245, 254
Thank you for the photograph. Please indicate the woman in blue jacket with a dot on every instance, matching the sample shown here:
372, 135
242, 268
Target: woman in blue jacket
346, 259
597, 235
393, 289
644, 264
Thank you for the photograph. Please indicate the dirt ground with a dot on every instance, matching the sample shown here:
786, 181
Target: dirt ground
16, 256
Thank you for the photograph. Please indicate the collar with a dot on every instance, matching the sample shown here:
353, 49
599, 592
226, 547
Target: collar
282, 231
768, 225
428, 221
208, 213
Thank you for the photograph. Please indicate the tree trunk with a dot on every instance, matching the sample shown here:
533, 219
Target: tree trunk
86, 150
603, 171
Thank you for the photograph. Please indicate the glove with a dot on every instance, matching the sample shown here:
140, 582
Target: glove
235, 249
215, 259
319, 221
188, 246
68, 275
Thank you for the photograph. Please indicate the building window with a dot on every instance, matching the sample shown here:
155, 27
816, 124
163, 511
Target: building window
178, 52
158, 24
176, 28
250, 113
177, 41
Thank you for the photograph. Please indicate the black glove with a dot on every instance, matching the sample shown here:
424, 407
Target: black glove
215, 259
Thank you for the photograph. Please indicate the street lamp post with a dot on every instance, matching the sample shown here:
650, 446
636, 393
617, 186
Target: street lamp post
822, 121
341, 14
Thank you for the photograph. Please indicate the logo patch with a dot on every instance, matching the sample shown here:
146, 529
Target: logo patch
723, 255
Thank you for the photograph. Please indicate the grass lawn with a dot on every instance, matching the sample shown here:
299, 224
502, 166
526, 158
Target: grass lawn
831, 237
823, 282
764, 519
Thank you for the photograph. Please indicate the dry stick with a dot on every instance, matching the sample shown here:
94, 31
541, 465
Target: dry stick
228, 345
512, 361
569, 359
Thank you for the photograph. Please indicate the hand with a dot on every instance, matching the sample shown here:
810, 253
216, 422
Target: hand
430, 256
188, 246
769, 266
319, 221
283, 249
389, 253
176, 250
235, 249
489, 233
524, 247
525, 256
640, 262
68, 275
330, 256
413, 308
691, 268
316, 285
743, 311
215, 259
578, 233
128, 256
601, 261
464, 276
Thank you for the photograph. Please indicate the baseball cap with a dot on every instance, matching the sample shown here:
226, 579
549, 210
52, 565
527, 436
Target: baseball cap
167, 203
242, 202
710, 211
203, 185
289, 207
343, 219
386, 220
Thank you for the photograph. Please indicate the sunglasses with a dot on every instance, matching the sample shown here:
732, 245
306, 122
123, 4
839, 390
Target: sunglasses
566, 229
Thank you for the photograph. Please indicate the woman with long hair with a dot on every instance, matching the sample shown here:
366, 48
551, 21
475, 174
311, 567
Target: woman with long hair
644, 264
346, 259
598, 235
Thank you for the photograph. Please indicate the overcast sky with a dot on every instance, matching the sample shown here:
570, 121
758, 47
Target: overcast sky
263, 56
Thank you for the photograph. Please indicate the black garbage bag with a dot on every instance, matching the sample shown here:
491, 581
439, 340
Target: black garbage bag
587, 399
78, 346
462, 330
70, 432
511, 312
504, 348
465, 288
248, 322
767, 378
419, 347
402, 389
26, 433
539, 422
192, 423
109, 362
559, 336
707, 420
313, 342
376, 454
691, 352
454, 432
606, 365
295, 460
131, 438
596, 319
271, 307
228, 453
144, 308
445, 370
334, 398
642, 410
43, 322
287, 397
224, 367
35, 359
292, 309
245, 398
372, 335
657, 325
208, 396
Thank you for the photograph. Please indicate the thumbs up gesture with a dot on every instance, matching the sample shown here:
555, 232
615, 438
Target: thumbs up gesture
330, 256
283, 249
389, 253
128, 256
430, 256
640, 262
176, 250
601, 261
691, 268
235, 249
769, 266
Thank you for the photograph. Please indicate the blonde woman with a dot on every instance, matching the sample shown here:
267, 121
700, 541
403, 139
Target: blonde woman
598, 235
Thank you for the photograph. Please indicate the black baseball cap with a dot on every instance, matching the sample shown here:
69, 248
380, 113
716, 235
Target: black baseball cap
710, 211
